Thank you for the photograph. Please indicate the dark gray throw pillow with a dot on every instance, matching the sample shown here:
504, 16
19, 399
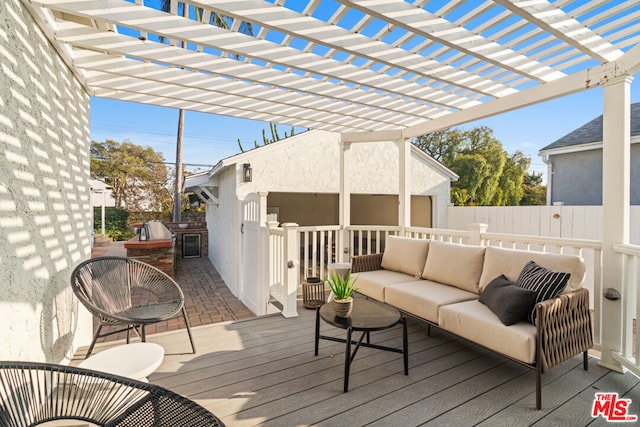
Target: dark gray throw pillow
509, 302
545, 283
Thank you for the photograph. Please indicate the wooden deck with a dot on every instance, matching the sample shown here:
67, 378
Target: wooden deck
263, 371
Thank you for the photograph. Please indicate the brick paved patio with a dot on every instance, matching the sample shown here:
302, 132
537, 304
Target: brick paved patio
207, 298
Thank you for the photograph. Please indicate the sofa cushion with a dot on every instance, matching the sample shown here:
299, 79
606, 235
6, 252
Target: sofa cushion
424, 298
405, 255
474, 321
455, 265
509, 302
510, 262
373, 283
545, 283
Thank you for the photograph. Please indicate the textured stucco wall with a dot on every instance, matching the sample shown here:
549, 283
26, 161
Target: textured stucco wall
310, 165
577, 177
44, 194
223, 222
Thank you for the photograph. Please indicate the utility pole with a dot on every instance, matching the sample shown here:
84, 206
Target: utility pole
177, 195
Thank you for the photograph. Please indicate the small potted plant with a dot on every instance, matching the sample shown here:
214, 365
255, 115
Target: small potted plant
342, 287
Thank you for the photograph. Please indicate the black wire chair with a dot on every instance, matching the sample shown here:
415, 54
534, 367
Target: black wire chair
35, 393
126, 292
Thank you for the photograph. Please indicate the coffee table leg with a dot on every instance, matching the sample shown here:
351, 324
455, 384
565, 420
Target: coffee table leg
347, 361
317, 328
405, 346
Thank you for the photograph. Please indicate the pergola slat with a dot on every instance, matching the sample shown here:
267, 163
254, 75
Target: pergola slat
391, 67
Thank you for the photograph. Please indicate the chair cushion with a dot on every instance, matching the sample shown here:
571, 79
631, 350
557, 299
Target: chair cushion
455, 265
373, 283
424, 298
545, 283
474, 321
510, 262
405, 255
509, 302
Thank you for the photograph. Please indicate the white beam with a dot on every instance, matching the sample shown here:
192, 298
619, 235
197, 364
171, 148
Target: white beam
404, 190
568, 85
616, 150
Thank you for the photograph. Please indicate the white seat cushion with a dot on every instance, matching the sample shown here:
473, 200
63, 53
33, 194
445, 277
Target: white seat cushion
424, 298
476, 322
373, 283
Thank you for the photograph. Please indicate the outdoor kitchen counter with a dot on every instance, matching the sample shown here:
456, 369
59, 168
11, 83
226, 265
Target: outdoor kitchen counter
157, 252
135, 243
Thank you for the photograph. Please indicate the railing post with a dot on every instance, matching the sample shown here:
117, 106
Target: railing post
475, 233
291, 276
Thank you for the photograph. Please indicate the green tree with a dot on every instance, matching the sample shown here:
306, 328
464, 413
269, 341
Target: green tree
511, 187
137, 175
535, 193
488, 174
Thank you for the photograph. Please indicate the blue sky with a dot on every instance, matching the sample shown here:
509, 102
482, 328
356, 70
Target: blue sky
209, 138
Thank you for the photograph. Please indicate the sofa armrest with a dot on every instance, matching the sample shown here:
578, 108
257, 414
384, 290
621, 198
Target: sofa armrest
366, 263
563, 328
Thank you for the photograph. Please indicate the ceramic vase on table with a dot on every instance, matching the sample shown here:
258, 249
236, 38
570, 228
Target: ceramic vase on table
343, 307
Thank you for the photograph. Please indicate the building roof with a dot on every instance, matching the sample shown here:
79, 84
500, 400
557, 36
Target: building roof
394, 68
592, 132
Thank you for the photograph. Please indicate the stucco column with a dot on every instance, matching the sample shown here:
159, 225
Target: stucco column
404, 192
615, 208
344, 201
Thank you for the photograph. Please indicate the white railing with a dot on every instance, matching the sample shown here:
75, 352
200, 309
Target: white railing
441, 234
368, 239
276, 265
319, 247
316, 247
628, 357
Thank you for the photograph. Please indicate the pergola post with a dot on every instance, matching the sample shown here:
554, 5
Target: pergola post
344, 202
615, 208
404, 191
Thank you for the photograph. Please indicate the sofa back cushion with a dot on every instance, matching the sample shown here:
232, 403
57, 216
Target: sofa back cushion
454, 265
510, 262
405, 255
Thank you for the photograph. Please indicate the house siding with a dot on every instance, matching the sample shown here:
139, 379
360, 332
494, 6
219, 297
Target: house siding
45, 216
577, 177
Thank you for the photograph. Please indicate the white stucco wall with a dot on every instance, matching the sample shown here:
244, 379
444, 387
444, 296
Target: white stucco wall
223, 222
44, 194
309, 163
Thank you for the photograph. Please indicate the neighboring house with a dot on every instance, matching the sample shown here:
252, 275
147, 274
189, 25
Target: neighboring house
300, 177
101, 194
575, 164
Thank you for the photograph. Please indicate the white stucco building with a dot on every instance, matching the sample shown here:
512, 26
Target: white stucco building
302, 182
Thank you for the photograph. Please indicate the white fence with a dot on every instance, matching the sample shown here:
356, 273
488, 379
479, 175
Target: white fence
571, 222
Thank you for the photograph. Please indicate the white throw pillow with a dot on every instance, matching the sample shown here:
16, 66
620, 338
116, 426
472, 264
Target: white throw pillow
405, 255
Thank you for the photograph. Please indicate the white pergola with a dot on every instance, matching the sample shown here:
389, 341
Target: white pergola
368, 69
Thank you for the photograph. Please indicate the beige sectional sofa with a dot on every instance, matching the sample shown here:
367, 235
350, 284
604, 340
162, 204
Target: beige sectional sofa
442, 283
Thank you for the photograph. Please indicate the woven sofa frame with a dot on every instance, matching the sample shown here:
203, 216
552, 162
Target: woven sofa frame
563, 326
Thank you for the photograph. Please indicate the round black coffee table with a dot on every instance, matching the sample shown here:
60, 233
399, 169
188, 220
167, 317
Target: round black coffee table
366, 316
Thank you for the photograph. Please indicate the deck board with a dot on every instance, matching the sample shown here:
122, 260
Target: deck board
263, 371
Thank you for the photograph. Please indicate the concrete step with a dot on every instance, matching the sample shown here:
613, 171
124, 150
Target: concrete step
101, 240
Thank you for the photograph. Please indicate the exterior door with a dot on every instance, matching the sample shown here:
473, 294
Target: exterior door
250, 286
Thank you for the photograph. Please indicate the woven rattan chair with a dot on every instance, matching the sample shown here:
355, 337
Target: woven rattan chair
126, 292
36, 393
